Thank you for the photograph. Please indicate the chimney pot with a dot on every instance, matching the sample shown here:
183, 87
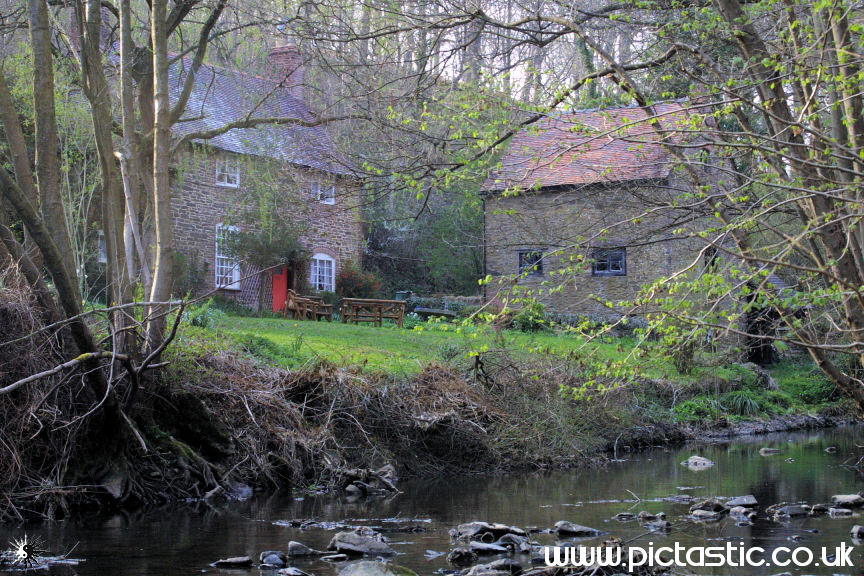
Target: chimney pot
285, 65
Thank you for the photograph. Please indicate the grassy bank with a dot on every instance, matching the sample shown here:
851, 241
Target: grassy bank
716, 388
309, 399
440, 397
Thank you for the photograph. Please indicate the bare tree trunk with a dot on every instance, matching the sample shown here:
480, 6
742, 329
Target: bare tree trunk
163, 270
99, 95
47, 140
130, 165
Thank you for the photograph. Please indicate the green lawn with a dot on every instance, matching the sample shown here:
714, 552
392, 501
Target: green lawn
407, 351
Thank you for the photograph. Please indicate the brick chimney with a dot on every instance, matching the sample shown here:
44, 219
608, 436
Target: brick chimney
285, 65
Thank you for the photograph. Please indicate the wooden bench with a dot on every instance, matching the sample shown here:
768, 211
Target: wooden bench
322, 309
311, 307
356, 310
430, 312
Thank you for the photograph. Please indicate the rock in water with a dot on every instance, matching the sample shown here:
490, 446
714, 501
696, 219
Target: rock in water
742, 512
847, 500
273, 558
235, 562
565, 528
292, 571
791, 510
747, 501
296, 549
334, 558
462, 557
485, 548
484, 531
766, 451
697, 463
514, 543
645, 516
705, 515
369, 568
659, 526
857, 531
358, 543
709, 505
501, 567
839, 512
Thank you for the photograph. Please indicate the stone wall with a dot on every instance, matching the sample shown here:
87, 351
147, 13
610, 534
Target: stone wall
200, 205
567, 224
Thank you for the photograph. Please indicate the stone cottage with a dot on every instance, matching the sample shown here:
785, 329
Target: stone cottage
580, 210
287, 171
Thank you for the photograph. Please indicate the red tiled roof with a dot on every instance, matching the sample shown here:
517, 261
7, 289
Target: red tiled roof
588, 147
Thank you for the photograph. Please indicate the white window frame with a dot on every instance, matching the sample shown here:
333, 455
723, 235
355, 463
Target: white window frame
101, 247
324, 191
316, 280
225, 267
227, 172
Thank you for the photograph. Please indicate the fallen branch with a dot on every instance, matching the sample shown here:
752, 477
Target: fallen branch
86, 357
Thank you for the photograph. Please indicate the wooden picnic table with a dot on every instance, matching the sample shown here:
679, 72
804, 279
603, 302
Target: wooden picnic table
372, 310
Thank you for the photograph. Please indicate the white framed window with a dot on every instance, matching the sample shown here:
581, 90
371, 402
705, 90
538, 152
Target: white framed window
101, 248
227, 172
227, 266
323, 273
324, 192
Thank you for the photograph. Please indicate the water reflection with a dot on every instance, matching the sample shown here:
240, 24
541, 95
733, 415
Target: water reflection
172, 542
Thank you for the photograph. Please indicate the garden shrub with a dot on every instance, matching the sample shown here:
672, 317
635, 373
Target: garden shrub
204, 315
354, 282
531, 318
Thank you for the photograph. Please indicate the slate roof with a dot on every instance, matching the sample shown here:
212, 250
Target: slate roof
221, 96
587, 147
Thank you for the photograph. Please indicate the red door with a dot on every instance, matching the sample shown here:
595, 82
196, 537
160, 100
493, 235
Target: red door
280, 289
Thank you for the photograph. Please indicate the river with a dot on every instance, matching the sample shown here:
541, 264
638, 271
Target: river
185, 540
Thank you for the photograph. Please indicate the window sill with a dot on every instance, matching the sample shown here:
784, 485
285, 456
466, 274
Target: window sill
230, 288
226, 185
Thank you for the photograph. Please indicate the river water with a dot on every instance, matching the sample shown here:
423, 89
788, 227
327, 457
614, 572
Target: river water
185, 541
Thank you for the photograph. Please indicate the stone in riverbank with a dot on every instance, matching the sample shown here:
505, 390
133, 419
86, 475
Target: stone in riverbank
565, 528
462, 557
709, 505
784, 510
359, 542
235, 562
292, 571
370, 568
847, 500
486, 548
484, 531
298, 549
273, 558
503, 567
747, 501
514, 543
697, 463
